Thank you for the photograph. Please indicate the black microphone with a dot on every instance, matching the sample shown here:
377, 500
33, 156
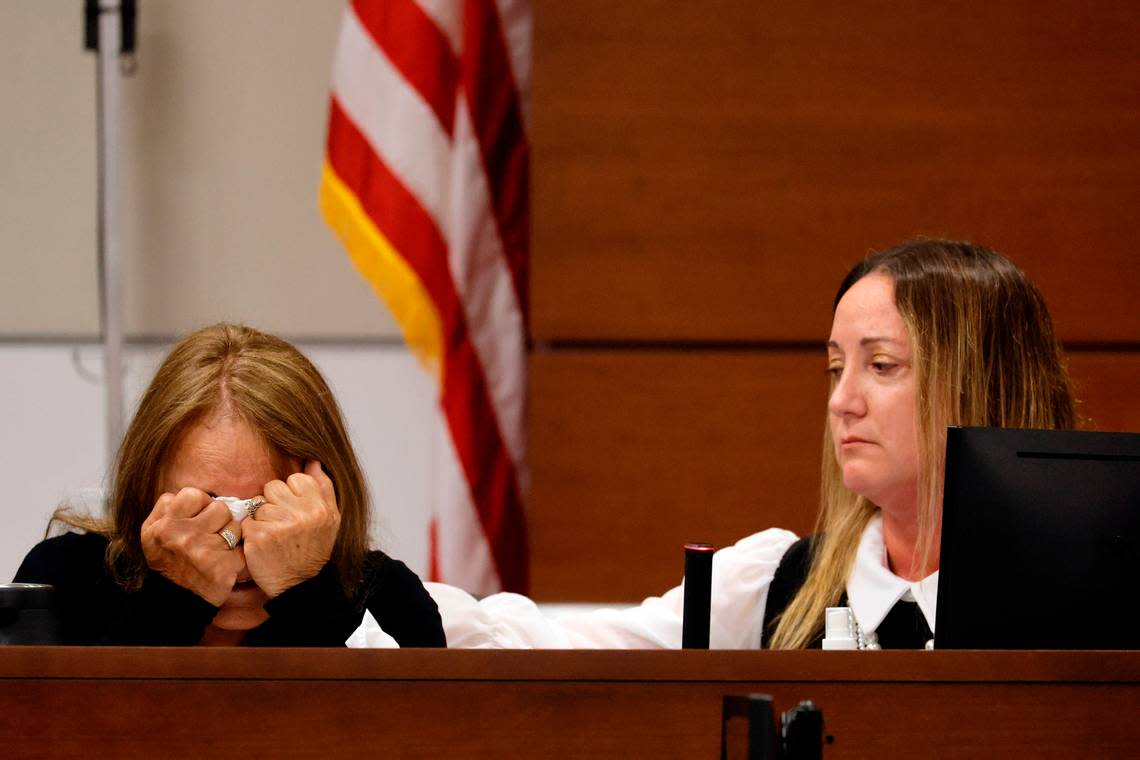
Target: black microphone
698, 596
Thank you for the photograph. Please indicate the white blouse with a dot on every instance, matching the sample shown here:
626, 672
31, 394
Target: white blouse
741, 576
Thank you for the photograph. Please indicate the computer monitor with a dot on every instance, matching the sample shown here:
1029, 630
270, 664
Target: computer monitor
1040, 540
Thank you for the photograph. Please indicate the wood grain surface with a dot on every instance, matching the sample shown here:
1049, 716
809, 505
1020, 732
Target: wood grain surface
634, 453
709, 170
704, 175
136, 703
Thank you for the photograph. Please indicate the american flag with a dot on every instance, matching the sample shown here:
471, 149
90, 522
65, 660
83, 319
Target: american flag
426, 182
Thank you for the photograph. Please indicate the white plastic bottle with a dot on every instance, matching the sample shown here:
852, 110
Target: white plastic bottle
839, 629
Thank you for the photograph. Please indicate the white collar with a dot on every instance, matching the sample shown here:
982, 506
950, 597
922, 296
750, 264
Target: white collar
872, 589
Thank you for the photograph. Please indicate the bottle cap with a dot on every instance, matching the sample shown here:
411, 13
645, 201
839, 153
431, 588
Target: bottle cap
839, 629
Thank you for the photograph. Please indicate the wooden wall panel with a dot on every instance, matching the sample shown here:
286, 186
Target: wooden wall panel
1107, 386
634, 453
709, 170
705, 173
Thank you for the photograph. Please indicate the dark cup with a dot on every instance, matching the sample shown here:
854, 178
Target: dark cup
28, 614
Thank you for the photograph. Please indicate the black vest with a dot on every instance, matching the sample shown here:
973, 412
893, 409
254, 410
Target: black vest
904, 627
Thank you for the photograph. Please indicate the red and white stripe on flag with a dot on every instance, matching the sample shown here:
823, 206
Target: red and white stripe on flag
426, 182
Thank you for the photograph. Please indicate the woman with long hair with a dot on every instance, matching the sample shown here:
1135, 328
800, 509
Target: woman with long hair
238, 515
928, 334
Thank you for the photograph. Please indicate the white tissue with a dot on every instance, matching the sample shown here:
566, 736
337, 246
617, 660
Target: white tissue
239, 508
370, 635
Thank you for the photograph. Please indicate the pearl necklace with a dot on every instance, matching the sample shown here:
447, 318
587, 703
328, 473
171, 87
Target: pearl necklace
863, 640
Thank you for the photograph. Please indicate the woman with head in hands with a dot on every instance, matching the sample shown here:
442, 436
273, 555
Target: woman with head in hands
233, 418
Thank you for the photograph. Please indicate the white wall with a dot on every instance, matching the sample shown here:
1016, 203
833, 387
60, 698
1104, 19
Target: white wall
222, 133
52, 446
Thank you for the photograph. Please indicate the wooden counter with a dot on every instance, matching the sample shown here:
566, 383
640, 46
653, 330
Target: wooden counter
126, 702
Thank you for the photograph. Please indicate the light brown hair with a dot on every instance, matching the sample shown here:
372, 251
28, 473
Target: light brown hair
985, 354
270, 386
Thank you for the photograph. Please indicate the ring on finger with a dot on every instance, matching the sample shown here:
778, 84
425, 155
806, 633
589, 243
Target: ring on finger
229, 537
253, 505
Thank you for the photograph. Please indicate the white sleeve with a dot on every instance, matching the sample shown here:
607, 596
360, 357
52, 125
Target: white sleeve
740, 579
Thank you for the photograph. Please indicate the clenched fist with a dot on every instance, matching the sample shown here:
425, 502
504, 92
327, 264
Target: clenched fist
292, 535
180, 540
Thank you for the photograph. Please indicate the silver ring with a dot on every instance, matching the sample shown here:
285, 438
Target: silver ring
229, 537
253, 505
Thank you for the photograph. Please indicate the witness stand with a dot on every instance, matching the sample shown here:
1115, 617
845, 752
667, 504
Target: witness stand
143, 702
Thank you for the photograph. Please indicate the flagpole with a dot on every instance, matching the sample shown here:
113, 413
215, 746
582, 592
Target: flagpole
109, 30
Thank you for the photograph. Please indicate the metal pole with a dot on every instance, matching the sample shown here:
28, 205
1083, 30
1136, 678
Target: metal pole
109, 45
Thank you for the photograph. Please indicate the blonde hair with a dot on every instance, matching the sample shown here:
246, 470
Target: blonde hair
271, 387
984, 353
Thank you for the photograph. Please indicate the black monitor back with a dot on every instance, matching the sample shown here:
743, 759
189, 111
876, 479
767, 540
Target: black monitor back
1040, 544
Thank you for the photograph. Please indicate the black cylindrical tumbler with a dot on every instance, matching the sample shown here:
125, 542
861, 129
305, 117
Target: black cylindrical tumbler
698, 596
28, 614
